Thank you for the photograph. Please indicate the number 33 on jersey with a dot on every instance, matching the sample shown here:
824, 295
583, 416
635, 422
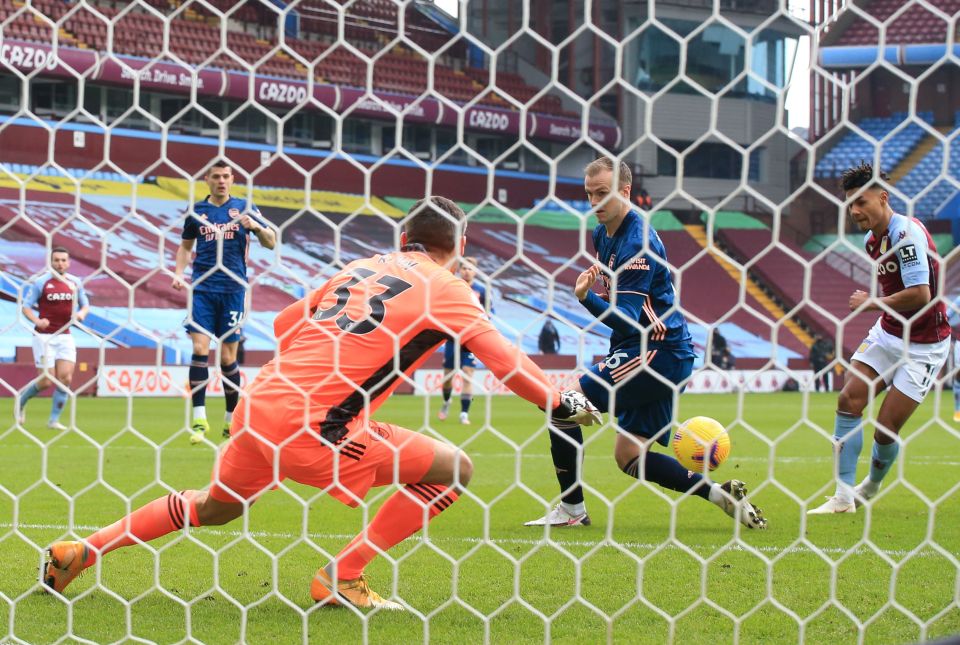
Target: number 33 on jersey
372, 322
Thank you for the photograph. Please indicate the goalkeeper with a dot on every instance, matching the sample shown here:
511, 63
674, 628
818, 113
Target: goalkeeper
651, 358
307, 417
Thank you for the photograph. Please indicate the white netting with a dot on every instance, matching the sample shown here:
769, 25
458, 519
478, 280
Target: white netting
336, 117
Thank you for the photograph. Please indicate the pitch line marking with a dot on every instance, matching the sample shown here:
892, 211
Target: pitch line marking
713, 548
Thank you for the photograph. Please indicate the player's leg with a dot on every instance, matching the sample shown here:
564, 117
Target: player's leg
228, 331
202, 323
44, 361
199, 377
446, 388
911, 383
241, 474
896, 409
862, 383
63, 370
955, 368
601, 385
230, 378
466, 394
650, 423
566, 451
432, 474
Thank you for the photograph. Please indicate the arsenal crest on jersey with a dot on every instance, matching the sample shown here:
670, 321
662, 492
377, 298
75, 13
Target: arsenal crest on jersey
233, 212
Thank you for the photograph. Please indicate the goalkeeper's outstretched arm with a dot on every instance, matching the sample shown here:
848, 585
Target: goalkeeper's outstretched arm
525, 378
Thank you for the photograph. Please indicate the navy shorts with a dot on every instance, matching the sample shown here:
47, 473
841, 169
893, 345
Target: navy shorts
449, 356
640, 387
219, 315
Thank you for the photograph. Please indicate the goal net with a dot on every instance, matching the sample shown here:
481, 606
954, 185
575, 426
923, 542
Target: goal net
736, 120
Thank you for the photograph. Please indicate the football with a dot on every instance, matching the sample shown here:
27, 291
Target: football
701, 444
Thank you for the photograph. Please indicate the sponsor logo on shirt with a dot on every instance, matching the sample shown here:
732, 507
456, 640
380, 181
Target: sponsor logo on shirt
908, 255
212, 231
639, 264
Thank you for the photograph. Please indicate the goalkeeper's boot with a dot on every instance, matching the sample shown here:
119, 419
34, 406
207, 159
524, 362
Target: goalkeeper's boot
56, 425
956, 416
464, 419
560, 517
64, 563
198, 431
352, 592
833, 505
226, 429
736, 505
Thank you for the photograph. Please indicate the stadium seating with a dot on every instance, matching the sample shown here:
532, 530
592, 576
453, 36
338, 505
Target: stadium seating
130, 265
854, 148
712, 296
928, 171
915, 25
195, 38
781, 268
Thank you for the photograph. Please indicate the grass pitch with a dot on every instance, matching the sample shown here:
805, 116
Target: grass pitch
652, 568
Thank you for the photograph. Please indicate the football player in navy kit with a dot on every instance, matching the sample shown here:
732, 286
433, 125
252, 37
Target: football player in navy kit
218, 226
650, 359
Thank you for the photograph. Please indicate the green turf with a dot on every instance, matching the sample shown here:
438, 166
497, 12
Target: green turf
638, 575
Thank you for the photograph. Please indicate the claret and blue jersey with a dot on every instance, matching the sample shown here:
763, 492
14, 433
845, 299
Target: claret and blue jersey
212, 226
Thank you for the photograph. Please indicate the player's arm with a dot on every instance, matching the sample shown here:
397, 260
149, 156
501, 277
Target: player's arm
622, 317
514, 368
259, 227
83, 302
526, 379
184, 251
289, 321
266, 235
188, 238
29, 302
911, 255
910, 299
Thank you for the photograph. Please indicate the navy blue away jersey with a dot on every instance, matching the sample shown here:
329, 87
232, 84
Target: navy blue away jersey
645, 295
212, 226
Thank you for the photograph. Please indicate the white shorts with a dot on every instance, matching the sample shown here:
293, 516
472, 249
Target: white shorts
50, 348
912, 369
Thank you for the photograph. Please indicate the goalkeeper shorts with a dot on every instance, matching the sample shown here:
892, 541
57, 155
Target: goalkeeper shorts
375, 454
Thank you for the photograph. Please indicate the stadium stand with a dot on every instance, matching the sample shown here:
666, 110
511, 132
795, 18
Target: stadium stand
786, 269
548, 242
195, 39
915, 25
928, 171
853, 147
